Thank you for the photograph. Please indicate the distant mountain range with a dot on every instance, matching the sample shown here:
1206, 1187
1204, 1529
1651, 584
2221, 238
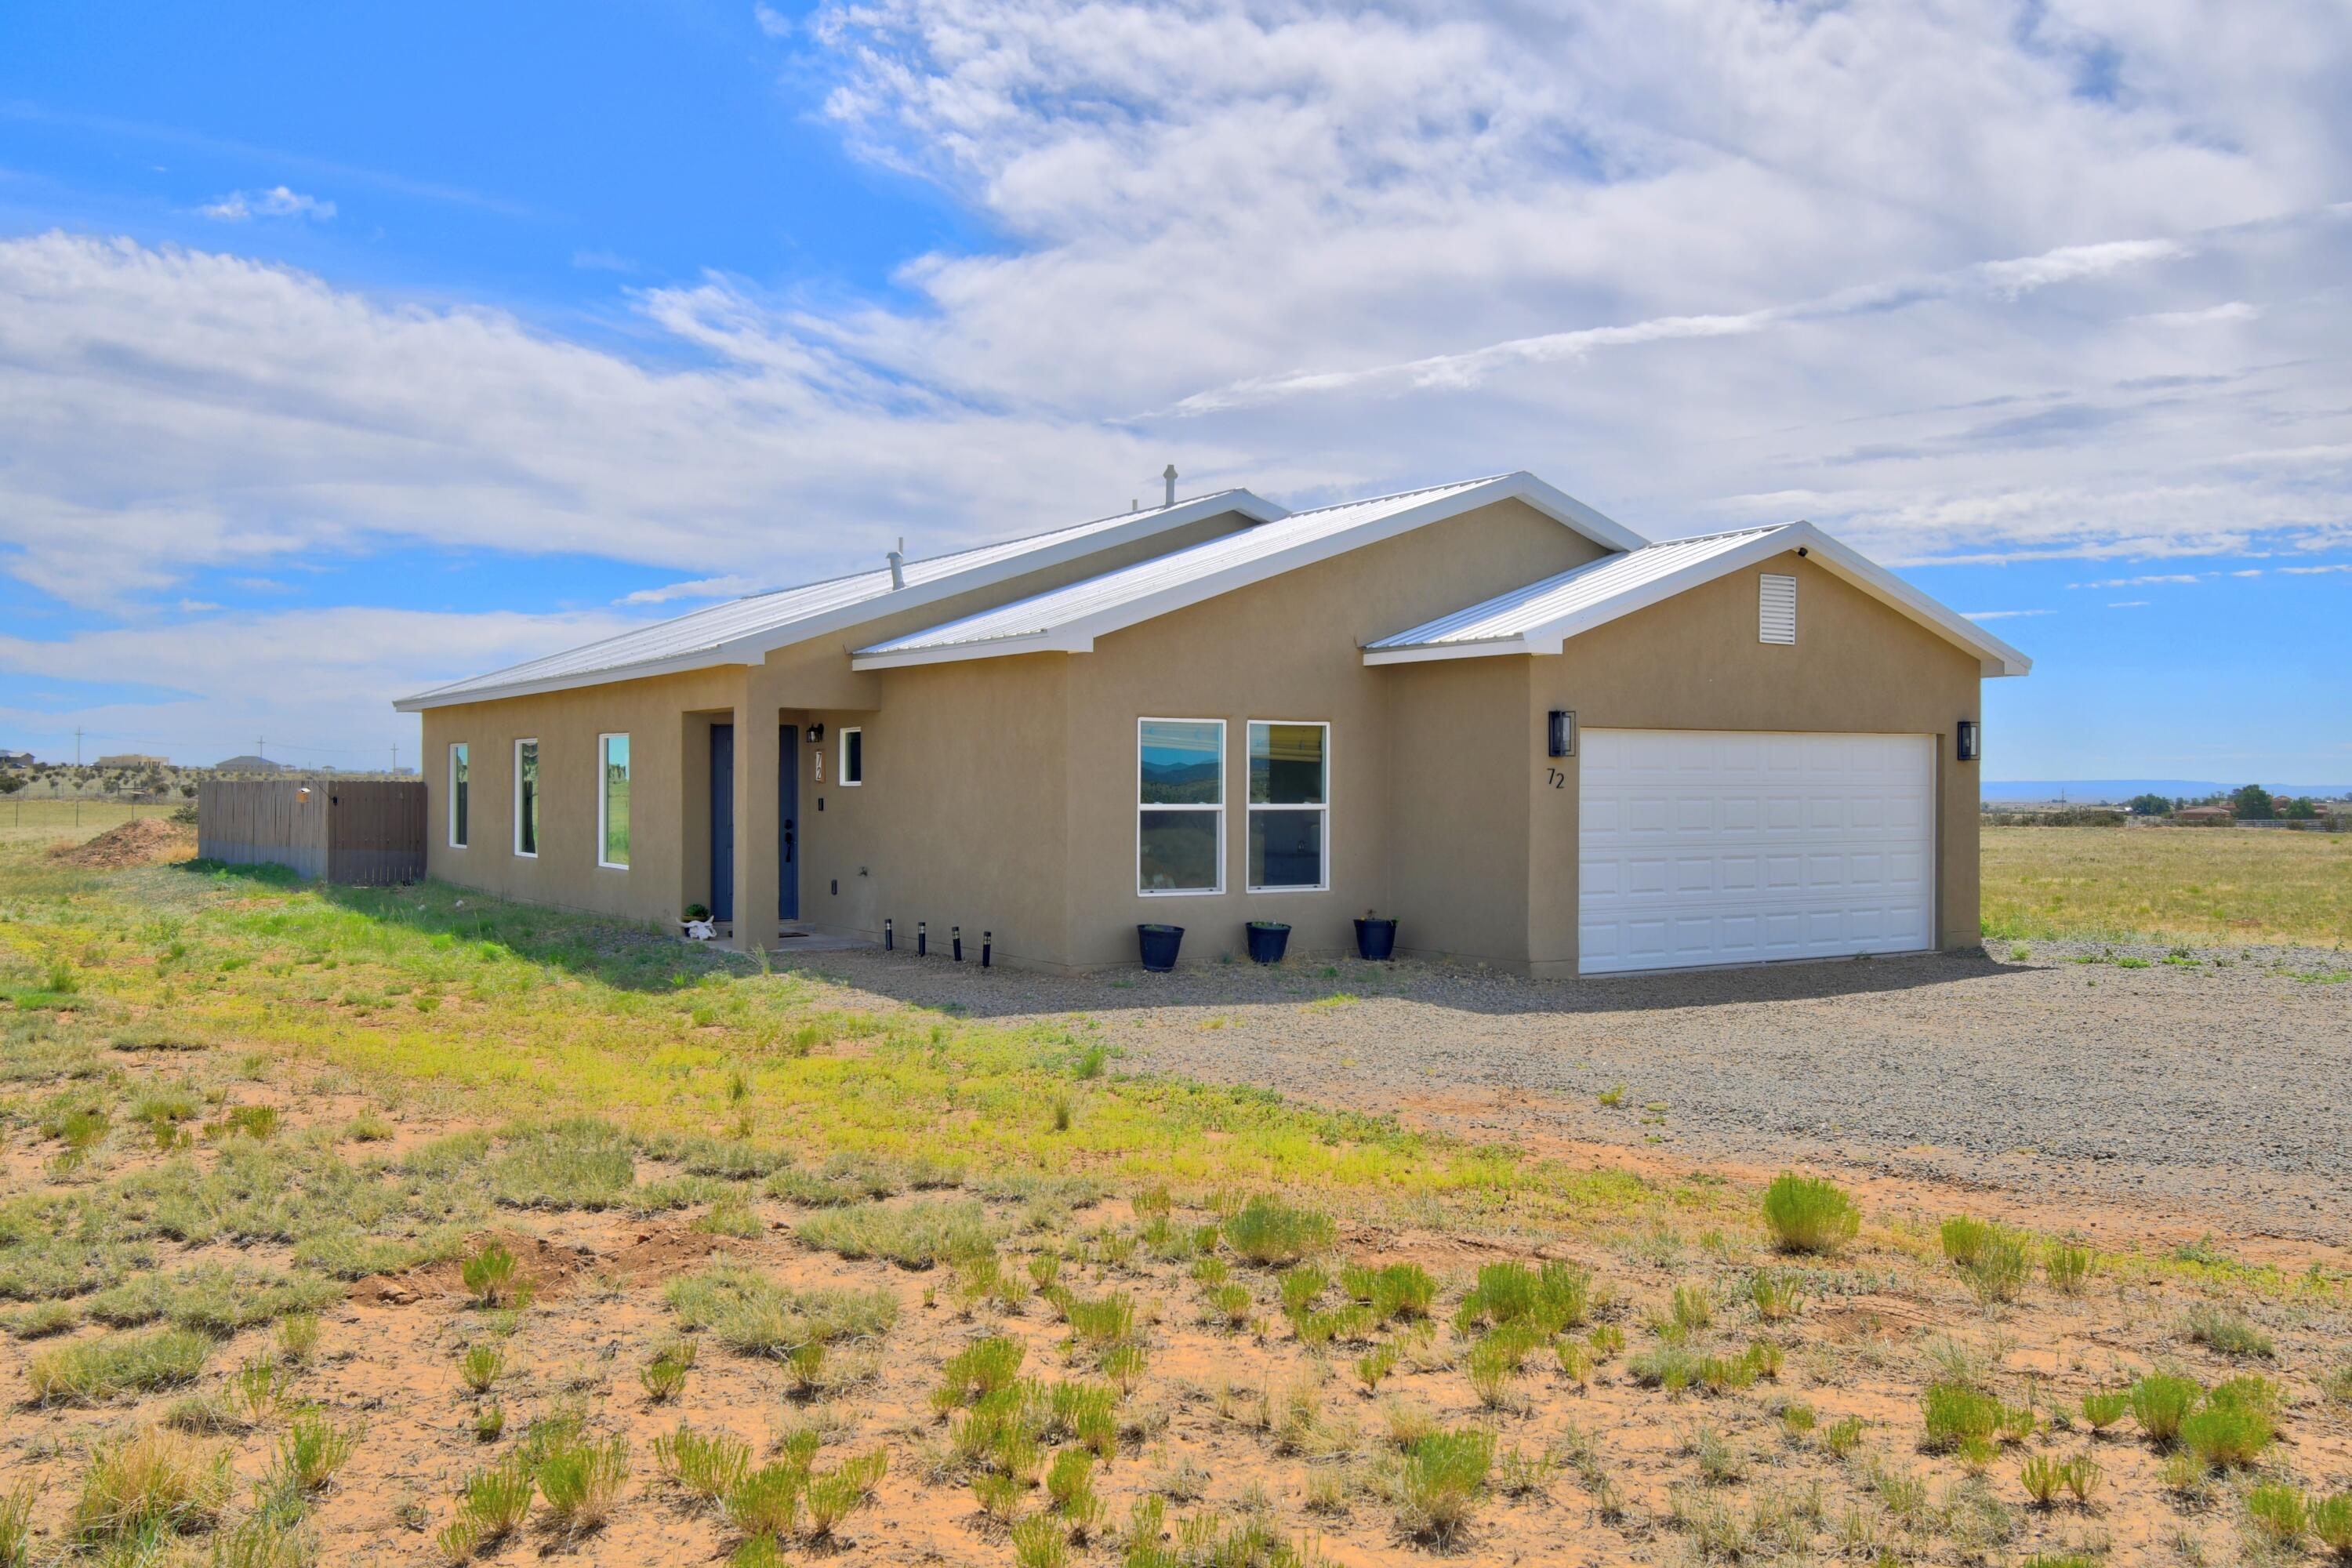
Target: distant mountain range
2092, 791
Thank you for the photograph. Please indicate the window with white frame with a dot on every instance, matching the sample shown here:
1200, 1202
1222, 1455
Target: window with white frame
457, 781
1180, 825
853, 758
526, 798
613, 802
1289, 806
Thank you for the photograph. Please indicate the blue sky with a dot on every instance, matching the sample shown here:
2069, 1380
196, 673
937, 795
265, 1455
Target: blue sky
338, 356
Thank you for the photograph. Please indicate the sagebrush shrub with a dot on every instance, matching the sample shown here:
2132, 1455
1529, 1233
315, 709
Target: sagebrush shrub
1272, 1233
1444, 1479
1810, 1213
2160, 1402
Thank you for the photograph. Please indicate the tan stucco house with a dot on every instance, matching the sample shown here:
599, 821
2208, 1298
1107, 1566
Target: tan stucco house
1536, 738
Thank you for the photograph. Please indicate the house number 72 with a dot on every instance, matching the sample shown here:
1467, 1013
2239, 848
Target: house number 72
1557, 779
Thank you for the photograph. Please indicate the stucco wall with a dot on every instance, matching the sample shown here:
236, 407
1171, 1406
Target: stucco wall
961, 818
1458, 756
1694, 663
1287, 648
653, 714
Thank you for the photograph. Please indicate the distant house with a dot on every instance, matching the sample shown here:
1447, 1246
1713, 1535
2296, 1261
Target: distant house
133, 760
15, 759
2205, 815
248, 765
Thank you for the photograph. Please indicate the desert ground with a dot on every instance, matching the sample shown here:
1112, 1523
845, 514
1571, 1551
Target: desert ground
407, 1226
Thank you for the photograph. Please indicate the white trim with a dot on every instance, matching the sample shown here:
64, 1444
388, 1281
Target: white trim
603, 800
754, 647
844, 780
1997, 658
1250, 808
450, 810
515, 804
1224, 790
1077, 633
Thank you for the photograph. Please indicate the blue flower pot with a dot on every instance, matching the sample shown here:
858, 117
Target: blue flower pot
1159, 944
1376, 939
1267, 939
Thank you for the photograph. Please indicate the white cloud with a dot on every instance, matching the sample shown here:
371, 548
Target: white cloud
1888, 266
2230, 310
733, 587
2127, 604
276, 202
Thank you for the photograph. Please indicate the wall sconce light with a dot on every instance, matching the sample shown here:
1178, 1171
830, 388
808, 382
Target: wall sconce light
1972, 736
1562, 737
815, 734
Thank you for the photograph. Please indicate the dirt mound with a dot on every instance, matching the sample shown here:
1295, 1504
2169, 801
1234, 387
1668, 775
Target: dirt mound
142, 841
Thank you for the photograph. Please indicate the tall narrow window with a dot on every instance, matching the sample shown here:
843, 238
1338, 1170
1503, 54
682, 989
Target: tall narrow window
1289, 806
613, 802
526, 812
457, 795
853, 758
1180, 831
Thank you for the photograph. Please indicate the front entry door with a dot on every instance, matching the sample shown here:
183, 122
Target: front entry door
788, 811
722, 822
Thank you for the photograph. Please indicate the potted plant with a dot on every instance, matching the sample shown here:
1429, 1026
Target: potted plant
1376, 936
1159, 943
1267, 941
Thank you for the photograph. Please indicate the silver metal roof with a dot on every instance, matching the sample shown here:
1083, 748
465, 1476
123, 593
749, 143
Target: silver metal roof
744, 630
1582, 588
1541, 618
1068, 620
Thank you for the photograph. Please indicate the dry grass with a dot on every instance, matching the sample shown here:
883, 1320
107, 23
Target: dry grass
1194, 1326
2205, 885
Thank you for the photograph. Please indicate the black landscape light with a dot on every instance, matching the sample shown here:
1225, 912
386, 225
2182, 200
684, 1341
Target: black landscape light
1972, 741
1563, 733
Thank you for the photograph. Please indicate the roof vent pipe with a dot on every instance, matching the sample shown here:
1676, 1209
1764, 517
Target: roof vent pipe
897, 559
1170, 476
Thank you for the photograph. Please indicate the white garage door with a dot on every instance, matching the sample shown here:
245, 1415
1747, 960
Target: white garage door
1698, 846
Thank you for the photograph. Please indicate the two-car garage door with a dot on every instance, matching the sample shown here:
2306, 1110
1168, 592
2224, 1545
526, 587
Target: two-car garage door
1701, 847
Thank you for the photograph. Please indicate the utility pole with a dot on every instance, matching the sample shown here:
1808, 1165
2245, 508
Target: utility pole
395, 759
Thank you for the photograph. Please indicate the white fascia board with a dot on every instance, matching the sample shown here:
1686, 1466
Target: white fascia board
755, 647
990, 647
678, 664
1427, 652
1565, 509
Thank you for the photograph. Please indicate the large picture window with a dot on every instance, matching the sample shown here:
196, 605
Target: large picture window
526, 812
1180, 830
1289, 806
457, 781
613, 802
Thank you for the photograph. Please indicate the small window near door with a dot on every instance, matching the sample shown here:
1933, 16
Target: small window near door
1289, 806
1180, 830
613, 802
853, 758
526, 813
457, 795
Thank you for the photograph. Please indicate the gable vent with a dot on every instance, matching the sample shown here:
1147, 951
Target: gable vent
1776, 608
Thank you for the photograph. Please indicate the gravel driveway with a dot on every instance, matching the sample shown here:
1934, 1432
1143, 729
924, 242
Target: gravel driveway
2217, 1085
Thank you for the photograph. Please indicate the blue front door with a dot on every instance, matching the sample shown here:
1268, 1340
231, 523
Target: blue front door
788, 811
722, 822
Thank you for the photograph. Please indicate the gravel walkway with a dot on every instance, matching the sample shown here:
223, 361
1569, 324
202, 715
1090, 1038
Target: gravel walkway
2210, 1084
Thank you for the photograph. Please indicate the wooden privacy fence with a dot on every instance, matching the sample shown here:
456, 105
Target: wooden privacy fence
364, 831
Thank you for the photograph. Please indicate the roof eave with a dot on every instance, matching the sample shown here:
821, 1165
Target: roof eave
756, 647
